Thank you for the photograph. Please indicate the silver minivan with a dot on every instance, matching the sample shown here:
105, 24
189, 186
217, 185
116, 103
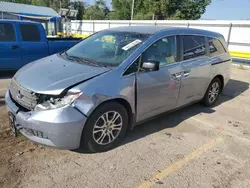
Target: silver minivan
92, 94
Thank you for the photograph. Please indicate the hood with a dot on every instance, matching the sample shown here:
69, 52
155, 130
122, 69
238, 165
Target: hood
53, 74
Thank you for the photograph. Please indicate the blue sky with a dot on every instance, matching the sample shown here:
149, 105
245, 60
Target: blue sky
221, 9
228, 10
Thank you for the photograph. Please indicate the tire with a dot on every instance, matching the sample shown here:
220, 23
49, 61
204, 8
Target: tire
100, 140
208, 100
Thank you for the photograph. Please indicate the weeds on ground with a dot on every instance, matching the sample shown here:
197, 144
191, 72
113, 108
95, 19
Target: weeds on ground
242, 67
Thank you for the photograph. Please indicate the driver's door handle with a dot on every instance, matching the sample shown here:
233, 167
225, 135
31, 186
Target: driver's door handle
14, 47
176, 76
186, 73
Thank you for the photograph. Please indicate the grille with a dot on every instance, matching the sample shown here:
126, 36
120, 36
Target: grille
23, 96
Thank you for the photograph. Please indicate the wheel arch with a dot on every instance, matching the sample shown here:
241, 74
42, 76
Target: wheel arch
126, 105
86, 137
221, 79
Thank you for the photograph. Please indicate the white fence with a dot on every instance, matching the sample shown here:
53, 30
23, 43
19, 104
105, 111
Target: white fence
236, 33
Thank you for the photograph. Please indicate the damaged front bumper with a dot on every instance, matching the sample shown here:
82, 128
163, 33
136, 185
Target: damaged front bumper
61, 128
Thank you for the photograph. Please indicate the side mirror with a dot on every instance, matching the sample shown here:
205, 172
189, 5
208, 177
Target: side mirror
151, 65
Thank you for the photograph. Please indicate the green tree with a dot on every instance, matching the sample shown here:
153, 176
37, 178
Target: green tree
160, 9
143, 9
55, 4
94, 13
122, 9
80, 6
192, 10
99, 11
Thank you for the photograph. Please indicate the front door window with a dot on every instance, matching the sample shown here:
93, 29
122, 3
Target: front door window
163, 50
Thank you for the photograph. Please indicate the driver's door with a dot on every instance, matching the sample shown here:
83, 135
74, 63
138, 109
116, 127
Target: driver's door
157, 91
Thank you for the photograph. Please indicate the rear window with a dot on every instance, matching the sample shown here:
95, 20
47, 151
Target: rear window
30, 33
7, 33
215, 47
193, 46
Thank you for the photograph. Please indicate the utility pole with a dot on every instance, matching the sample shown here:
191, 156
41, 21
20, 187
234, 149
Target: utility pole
132, 9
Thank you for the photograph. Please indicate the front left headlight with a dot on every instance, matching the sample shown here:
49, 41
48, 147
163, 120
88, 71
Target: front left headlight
53, 103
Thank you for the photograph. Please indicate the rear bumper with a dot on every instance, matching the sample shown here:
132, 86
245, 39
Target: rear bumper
61, 128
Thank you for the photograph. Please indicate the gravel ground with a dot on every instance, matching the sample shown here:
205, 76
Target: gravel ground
194, 147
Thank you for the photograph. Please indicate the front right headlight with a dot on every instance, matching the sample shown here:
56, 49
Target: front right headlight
53, 103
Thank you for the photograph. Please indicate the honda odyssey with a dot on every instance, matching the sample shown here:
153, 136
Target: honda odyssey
93, 93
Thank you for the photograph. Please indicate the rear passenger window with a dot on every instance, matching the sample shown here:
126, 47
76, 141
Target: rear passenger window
193, 46
215, 47
7, 33
30, 33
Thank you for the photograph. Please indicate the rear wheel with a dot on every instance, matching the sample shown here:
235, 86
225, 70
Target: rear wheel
213, 92
105, 127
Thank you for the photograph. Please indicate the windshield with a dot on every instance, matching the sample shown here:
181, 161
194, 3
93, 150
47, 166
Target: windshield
107, 48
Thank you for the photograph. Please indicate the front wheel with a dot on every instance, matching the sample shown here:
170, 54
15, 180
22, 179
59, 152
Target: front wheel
105, 127
213, 92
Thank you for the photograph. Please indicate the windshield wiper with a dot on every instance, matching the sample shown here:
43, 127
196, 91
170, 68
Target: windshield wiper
76, 58
94, 62
84, 60
87, 61
65, 53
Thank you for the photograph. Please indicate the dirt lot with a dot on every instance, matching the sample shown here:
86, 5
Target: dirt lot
194, 147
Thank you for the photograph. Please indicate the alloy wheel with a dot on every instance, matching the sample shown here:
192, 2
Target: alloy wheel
107, 127
213, 92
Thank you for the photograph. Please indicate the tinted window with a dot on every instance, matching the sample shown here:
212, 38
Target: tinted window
164, 51
30, 33
193, 46
215, 47
7, 32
